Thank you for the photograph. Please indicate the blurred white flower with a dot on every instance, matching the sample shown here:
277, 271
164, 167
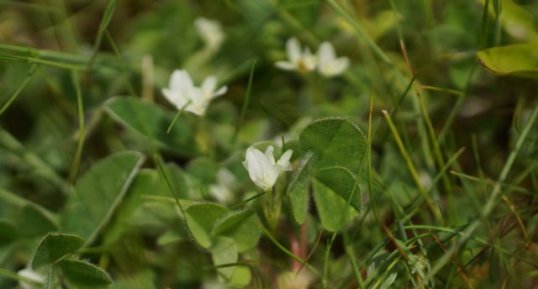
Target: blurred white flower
222, 190
210, 31
185, 96
302, 61
31, 275
263, 169
295, 280
328, 64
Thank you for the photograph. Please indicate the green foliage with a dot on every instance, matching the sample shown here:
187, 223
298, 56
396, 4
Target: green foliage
413, 161
98, 193
201, 218
152, 122
517, 59
55, 246
84, 274
242, 227
334, 142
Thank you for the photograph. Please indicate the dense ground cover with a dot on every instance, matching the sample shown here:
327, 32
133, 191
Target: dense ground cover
268, 144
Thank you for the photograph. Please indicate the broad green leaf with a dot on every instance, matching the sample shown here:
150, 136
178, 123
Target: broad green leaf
242, 227
517, 60
341, 182
35, 221
334, 142
8, 232
148, 182
224, 251
333, 211
151, 121
55, 246
201, 218
298, 190
99, 192
84, 274
241, 277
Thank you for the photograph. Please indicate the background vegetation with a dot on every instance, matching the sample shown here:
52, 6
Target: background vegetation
416, 168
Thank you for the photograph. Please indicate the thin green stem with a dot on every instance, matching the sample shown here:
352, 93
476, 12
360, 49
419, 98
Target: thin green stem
82, 129
410, 166
245, 102
19, 89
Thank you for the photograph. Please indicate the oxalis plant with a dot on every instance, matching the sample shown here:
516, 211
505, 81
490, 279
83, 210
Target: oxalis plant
268, 144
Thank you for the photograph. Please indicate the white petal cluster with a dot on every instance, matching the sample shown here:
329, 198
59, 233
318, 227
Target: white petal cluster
262, 168
210, 31
328, 64
326, 61
30, 274
184, 95
302, 61
222, 190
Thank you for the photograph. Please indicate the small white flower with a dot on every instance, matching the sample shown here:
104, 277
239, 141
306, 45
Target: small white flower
328, 64
184, 95
210, 31
31, 275
221, 191
302, 61
263, 169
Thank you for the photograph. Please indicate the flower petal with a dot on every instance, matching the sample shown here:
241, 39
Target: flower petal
326, 53
220, 92
285, 65
209, 85
341, 65
293, 48
269, 154
260, 169
180, 80
284, 161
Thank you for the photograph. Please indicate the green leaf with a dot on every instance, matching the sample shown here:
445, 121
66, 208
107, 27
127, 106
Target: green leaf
341, 182
241, 277
99, 192
333, 211
298, 190
517, 60
334, 142
35, 221
242, 227
133, 209
224, 251
151, 121
337, 148
55, 246
84, 274
201, 219
8, 232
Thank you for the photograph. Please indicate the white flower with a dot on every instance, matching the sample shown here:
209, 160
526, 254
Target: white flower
221, 191
302, 61
328, 64
210, 31
184, 95
30, 274
263, 169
